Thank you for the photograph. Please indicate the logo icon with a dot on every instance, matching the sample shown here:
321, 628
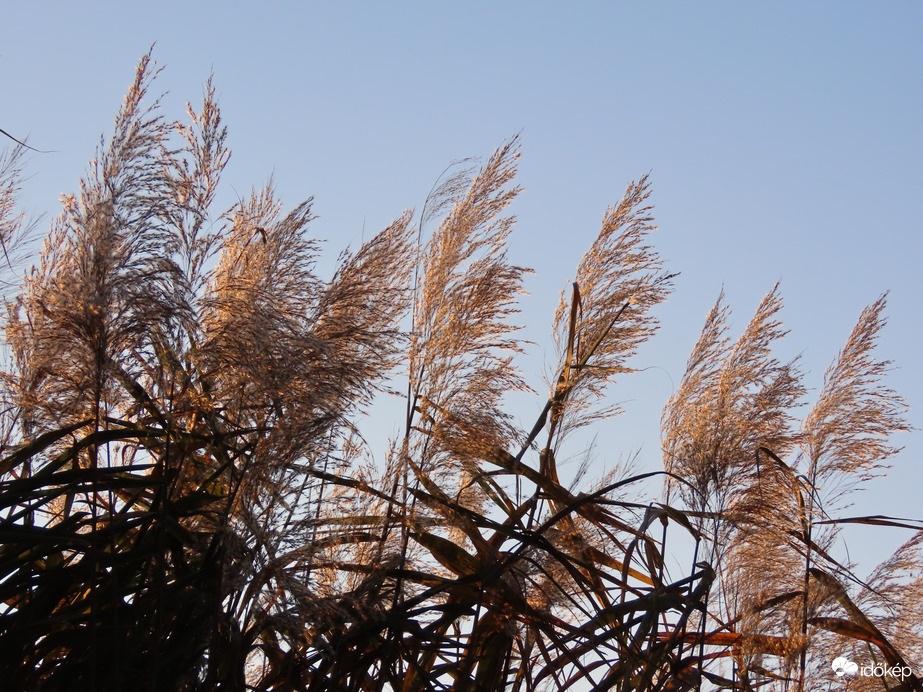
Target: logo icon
843, 666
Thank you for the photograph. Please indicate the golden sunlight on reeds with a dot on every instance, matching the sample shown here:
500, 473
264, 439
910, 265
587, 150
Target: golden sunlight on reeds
187, 501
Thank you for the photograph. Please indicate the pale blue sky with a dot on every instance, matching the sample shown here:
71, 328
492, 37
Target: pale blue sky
783, 140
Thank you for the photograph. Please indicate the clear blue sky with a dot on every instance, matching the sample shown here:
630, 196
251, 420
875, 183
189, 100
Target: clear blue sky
784, 141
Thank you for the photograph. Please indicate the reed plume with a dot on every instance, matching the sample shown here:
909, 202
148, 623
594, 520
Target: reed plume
187, 501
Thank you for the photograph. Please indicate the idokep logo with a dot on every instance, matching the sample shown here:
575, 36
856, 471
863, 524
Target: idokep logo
843, 666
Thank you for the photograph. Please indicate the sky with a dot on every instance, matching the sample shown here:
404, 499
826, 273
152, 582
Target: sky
783, 142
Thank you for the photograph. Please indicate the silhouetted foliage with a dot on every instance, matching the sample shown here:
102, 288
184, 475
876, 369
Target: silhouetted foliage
187, 503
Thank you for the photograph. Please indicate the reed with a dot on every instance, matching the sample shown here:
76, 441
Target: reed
187, 503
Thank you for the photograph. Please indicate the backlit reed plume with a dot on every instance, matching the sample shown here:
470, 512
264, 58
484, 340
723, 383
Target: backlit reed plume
187, 501
463, 341
727, 432
601, 323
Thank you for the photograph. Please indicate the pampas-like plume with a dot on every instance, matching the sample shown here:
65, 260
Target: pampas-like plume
618, 281
732, 401
726, 432
847, 431
12, 225
192, 178
181, 486
895, 598
462, 344
105, 278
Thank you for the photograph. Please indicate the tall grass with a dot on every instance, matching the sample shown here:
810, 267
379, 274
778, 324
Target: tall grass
187, 502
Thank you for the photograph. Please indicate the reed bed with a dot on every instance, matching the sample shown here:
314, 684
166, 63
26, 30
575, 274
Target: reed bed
187, 503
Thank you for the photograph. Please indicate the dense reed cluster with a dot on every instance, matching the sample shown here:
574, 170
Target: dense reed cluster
187, 503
